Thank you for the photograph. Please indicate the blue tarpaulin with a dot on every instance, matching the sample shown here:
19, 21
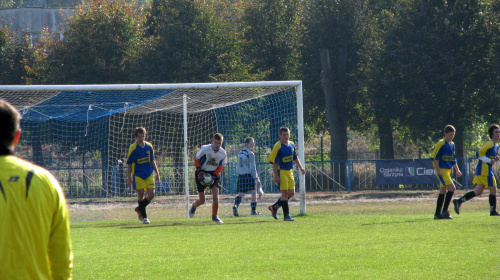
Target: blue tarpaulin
83, 106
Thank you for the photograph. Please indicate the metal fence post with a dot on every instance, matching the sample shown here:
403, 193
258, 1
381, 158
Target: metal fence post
349, 175
466, 173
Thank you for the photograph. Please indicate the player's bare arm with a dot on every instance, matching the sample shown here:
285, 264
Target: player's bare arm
155, 168
302, 170
457, 170
275, 172
438, 170
129, 175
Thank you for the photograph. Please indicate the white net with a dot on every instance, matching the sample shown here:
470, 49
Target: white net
82, 133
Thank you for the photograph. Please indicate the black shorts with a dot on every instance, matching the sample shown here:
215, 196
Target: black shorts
200, 187
246, 183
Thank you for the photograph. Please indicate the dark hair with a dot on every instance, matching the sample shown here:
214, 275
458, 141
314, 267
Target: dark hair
492, 128
10, 123
284, 129
248, 139
449, 128
140, 130
218, 136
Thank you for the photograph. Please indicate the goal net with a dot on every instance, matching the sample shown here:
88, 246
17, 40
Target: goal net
81, 133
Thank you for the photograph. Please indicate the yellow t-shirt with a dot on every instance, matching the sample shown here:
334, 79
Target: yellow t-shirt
35, 241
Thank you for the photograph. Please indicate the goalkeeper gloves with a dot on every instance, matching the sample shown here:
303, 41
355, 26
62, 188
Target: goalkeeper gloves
260, 192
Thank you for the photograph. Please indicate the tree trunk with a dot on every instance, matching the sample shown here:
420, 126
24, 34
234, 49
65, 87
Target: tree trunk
459, 148
459, 141
334, 89
385, 137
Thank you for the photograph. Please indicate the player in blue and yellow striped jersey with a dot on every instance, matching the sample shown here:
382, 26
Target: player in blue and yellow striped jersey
140, 166
282, 157
443, 159
485, 179
35, 241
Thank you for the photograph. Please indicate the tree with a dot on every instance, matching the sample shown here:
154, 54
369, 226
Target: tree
379, 105
10, 4
15, 55
189, 41
436, 60
335, 31
272, 34
98, 42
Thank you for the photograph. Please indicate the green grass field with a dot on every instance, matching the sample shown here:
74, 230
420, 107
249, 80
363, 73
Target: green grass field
354, 239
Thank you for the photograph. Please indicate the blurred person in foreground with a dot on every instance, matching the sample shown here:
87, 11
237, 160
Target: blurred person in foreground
35, 241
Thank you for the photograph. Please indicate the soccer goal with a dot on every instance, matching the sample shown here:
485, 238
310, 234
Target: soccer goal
81, 133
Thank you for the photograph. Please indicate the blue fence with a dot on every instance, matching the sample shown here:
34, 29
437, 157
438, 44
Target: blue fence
355, 175
326, 176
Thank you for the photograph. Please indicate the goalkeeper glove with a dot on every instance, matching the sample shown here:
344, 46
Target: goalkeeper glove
260, 192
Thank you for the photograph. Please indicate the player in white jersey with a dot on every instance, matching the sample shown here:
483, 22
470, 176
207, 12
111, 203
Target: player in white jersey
210, 159
248, 178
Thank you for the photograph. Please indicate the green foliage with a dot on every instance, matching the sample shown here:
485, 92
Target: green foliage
10, 4
436, 60
341, 27
97, 47
272, 35
415, 65
189, 41
15, 56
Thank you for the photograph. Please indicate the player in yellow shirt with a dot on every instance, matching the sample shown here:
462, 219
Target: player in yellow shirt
140, 166
485, 178
282, 157
35, 241
444, 160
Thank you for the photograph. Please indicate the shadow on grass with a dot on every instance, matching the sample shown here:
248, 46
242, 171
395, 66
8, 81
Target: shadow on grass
138, 225
390, 194
399, 222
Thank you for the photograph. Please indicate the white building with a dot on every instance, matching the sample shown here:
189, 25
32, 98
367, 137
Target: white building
33, 20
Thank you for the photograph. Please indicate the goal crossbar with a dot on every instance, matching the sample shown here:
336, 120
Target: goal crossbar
211, 96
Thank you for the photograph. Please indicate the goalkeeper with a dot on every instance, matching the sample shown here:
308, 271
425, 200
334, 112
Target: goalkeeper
248, 178
35, 240
210, 159
140, 166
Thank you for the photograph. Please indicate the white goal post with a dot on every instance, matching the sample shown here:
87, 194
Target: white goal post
81, 133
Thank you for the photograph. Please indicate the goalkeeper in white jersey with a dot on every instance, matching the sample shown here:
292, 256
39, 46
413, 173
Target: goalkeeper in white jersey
248, 178
209, 162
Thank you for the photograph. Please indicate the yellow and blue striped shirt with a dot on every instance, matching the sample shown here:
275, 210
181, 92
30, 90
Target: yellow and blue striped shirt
490, 150
444, 153
140, 157
283, 155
